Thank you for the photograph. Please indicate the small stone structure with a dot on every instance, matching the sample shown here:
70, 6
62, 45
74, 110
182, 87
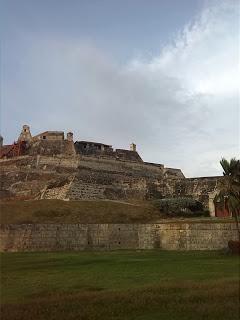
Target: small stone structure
25, 135
133, 147
69, 136
78, 237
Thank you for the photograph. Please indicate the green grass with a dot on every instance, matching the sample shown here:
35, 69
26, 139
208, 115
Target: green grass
144, 285
96, 211
58, 211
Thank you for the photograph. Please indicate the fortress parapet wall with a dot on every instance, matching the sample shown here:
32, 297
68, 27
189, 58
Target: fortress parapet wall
78, 237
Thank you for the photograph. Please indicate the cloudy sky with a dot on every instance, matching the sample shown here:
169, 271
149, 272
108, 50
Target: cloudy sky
161, 73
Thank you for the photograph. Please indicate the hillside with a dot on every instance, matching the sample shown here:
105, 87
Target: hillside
89, 211
58, 211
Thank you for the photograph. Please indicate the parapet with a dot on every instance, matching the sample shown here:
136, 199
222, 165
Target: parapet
174, 173
128, 155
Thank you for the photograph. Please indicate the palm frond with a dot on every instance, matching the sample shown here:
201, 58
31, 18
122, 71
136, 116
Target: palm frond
226, 166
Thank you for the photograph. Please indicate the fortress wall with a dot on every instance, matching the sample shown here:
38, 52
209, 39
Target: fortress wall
85, 191
13, 164
197, 188
25, 163
52, 147
94, 178
71, 162
78, 237
174, 173
97, 178
99, 164
119, 166
111, 179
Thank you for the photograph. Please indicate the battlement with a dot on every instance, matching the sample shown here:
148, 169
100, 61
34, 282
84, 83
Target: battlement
54, 143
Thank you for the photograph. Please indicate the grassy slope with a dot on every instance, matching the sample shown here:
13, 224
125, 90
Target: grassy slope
145, 285
57, 211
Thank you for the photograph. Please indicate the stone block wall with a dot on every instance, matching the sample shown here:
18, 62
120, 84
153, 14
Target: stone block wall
197, 188
78, 237
98, 178
85, 191
52, 147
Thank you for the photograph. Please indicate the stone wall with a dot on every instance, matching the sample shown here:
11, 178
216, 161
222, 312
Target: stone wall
85, 191
202, 189
98, 178
52, 147
165, 236
111, 179
29, 176
43, 176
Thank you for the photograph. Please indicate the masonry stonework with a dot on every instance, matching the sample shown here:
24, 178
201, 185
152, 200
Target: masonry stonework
51, 167
78, 237
81, 177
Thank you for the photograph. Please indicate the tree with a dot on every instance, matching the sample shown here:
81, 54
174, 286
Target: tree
229, 186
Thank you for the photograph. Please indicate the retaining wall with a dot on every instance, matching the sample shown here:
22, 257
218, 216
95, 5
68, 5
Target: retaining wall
77, 237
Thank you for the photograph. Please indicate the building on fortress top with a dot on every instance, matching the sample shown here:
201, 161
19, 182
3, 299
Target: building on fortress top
49, 135
54, 142
92, 146
26, 136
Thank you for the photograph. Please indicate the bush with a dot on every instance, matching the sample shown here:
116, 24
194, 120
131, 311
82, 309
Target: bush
234, 247
181, 207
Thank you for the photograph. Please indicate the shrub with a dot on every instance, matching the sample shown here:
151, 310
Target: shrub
234, 247
181, 207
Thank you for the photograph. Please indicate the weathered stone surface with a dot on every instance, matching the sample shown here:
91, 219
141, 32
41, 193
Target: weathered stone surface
165, 236
81, 177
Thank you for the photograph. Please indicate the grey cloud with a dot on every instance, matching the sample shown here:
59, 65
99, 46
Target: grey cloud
75, 86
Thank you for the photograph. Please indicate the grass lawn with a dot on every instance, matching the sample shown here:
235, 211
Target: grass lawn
143, 285
95, 211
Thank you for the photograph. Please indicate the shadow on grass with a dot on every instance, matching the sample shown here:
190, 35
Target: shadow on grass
217, 299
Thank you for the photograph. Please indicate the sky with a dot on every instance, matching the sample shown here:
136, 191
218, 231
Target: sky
163, 74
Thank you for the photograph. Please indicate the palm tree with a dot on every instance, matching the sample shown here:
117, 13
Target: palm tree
229, 186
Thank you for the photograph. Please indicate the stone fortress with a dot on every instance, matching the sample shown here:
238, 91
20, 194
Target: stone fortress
50, 166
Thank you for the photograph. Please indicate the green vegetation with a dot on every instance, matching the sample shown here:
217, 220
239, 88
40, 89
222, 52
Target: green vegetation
122, 285
105, 211
181, 207
58, 211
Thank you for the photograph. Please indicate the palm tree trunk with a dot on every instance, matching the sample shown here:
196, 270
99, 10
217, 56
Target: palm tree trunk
235, 214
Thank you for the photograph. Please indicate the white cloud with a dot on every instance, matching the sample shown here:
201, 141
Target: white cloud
181, 107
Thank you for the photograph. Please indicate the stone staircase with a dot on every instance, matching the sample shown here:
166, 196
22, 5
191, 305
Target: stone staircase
58, 192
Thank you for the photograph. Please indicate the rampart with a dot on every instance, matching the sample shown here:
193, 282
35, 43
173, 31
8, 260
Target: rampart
78, 237
82, 177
